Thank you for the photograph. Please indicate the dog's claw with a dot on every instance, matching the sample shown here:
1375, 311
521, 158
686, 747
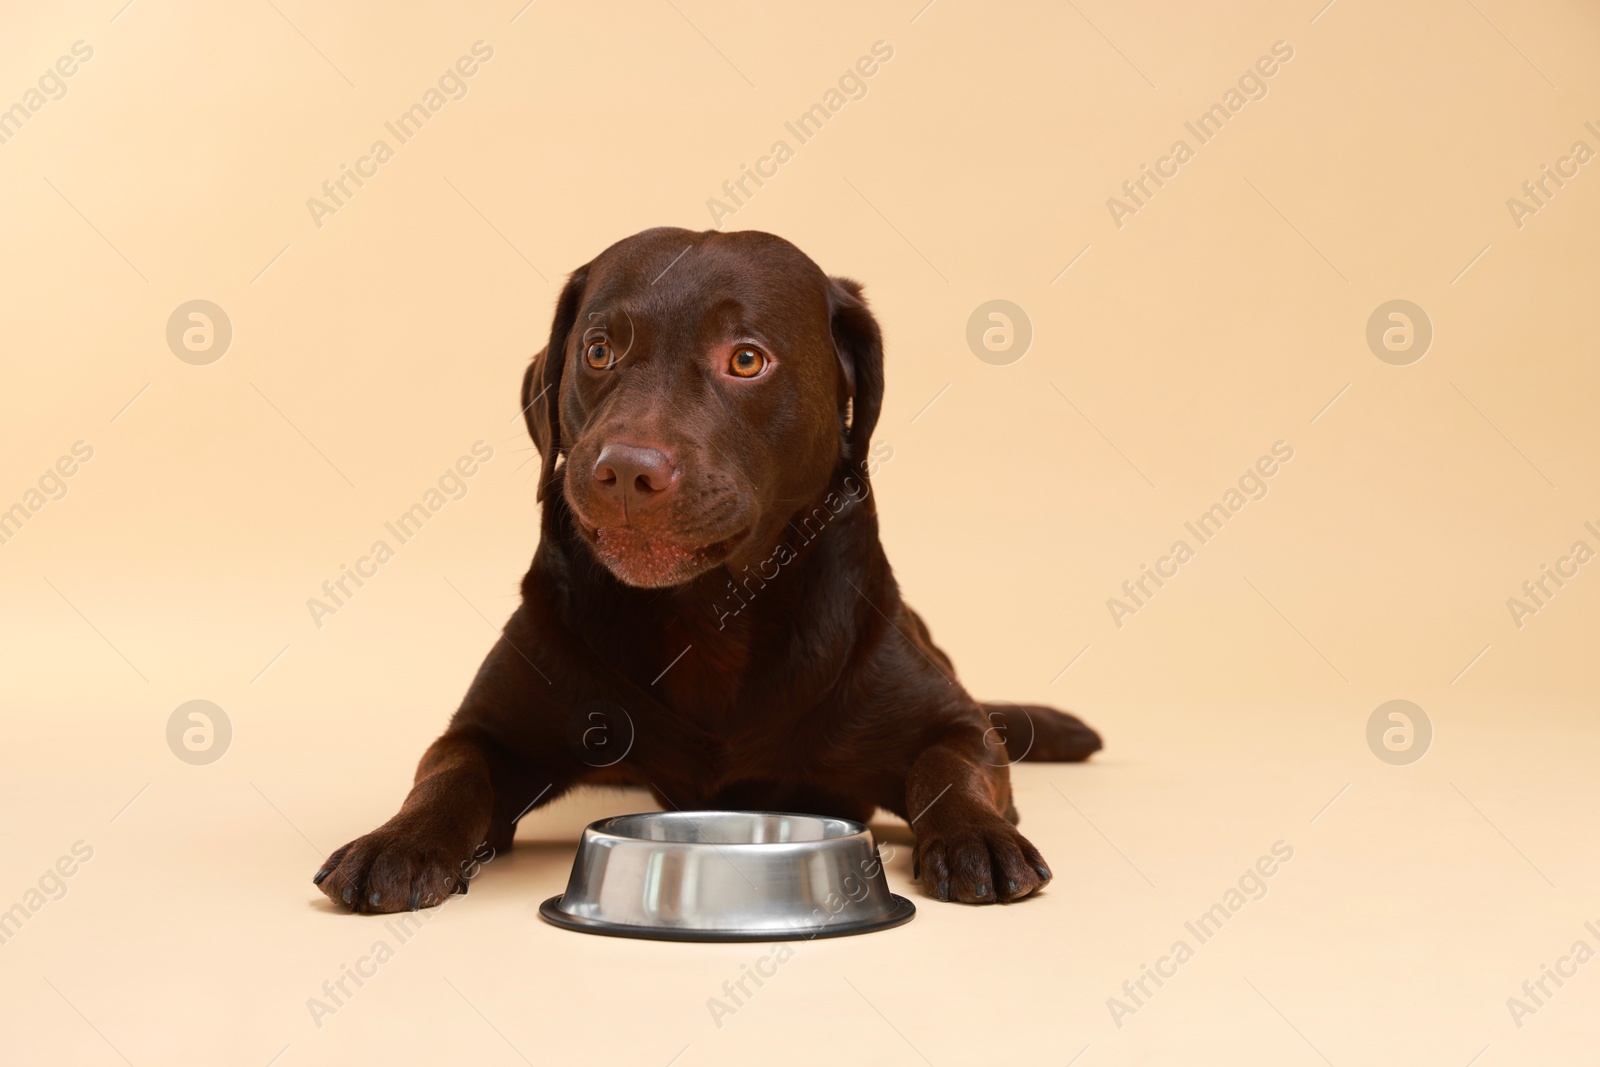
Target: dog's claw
391, 870
318, 878
979, 858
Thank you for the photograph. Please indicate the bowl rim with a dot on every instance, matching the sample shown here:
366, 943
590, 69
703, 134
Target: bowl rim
902, 912
602, 828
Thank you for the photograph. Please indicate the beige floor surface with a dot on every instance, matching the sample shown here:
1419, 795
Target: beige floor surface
1417, 901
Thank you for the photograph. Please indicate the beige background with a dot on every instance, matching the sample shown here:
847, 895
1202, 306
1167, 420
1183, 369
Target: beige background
1228, 314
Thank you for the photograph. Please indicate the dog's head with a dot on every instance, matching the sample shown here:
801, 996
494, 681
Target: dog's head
701, 388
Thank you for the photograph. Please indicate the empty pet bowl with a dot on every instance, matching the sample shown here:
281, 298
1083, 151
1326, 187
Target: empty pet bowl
727, 876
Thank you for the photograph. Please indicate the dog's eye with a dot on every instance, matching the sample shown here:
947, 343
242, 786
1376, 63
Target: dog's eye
746, 363
598, 355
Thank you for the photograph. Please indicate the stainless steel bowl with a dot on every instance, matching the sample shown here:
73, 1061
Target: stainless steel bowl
727, 876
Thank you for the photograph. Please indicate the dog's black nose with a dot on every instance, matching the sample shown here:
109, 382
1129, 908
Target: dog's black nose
635, 474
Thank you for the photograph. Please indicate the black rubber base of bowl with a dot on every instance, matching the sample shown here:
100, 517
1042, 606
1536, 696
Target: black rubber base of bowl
551, 912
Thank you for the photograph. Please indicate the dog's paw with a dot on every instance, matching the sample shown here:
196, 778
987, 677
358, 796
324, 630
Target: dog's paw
393, 870
982, 861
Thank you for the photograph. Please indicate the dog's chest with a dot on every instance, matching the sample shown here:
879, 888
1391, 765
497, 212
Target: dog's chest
752, 686
746, 728
703, 666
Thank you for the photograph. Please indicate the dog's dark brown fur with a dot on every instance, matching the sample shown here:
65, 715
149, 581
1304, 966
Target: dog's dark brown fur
709, 613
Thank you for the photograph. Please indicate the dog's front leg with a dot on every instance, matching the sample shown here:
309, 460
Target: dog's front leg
966, 848
430, 848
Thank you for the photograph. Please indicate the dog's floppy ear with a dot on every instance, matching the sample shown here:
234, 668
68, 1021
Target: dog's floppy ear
859, 343
541, 385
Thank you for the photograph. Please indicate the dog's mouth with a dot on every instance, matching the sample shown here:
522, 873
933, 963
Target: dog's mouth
654, 562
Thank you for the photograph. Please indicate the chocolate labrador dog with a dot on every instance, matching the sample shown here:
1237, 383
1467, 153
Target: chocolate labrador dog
709, 614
